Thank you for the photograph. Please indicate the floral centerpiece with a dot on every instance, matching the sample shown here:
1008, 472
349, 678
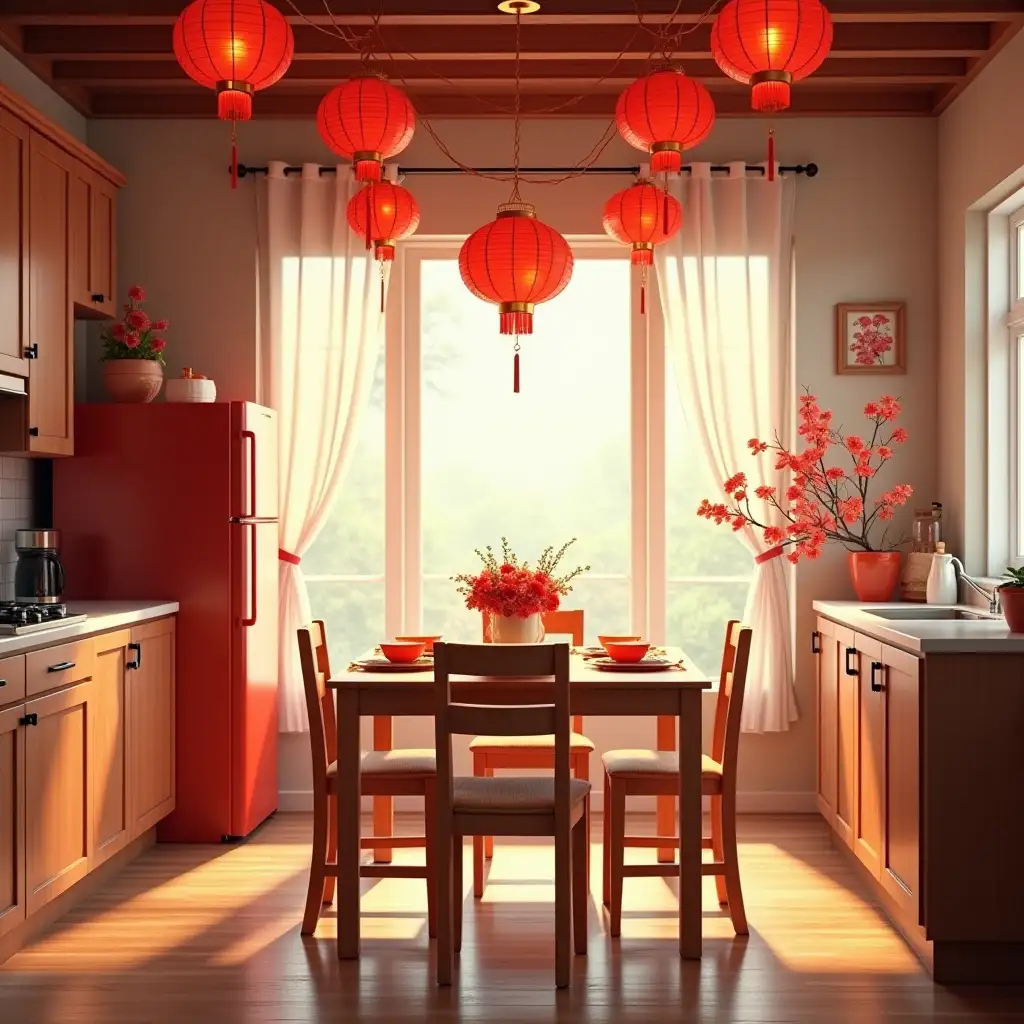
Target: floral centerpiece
515, 594
828, 497
133, 352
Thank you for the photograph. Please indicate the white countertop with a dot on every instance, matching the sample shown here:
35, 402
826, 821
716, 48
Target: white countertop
923, 636
102, 617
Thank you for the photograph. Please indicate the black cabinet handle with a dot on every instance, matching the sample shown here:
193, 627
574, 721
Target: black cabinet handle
62, 666
3, 682
815, 646
851, 670
33, 431
876, 666
32, 351
29, 720
137, 663
96, 298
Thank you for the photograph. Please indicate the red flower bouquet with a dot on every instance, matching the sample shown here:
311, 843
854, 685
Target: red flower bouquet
823, 502
135, 336
512, 588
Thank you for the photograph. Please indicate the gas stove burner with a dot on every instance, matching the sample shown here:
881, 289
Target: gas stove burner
27, 618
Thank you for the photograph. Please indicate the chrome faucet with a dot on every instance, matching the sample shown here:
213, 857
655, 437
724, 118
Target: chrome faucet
991, 596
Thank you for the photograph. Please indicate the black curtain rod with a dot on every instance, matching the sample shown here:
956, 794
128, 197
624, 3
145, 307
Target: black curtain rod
811, 170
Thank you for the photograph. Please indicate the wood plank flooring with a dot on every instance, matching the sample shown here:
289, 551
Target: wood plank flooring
211, 934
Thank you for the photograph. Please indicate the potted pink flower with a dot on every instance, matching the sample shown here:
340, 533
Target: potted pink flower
828, 497
133, 352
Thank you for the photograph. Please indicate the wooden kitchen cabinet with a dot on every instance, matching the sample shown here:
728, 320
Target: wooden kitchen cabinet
93, 209
12, 819
58, 793
109, 756
826, 648
14, 170
869, 806
151, 702
848, 675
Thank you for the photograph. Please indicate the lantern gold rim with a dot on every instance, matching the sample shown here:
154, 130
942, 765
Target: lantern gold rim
367, 154
666, 147
515, 307
758, 77
519, 6
516, 210
641, 246
232, 85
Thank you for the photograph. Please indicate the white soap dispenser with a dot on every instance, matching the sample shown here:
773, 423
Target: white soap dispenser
941, 588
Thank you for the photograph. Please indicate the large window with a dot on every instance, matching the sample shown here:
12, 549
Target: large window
1015, 327
596, 445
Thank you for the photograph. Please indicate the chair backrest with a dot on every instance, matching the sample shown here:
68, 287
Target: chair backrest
316, 670
564, 621
501, 661
731, 684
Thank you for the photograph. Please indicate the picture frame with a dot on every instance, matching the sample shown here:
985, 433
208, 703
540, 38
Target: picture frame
871, 337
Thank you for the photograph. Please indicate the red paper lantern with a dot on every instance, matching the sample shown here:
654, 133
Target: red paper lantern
235, 47
642, 216
769, 44
515, 261
664, 113
384, 213
366, 120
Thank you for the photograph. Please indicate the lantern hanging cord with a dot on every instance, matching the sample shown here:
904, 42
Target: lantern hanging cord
516, 197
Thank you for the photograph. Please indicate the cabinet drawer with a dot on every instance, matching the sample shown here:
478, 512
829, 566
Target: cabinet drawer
58, 666
12, 680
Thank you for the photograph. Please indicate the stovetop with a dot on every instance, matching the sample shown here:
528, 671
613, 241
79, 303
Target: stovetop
18, 619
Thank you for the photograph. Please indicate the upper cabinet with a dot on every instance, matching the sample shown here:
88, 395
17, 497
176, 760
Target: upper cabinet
58, 210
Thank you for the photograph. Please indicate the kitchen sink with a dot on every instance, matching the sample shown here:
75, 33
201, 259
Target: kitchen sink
924, 614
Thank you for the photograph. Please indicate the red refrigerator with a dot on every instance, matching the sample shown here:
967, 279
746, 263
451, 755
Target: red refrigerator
179, 502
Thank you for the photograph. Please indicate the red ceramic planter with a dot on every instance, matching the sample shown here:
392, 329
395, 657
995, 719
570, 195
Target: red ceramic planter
874, 574
1012, 599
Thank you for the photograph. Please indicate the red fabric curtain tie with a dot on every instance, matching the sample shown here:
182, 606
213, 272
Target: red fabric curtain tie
287, 556
768, 555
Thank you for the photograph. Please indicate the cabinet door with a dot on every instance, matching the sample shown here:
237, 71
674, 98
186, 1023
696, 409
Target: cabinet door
51, 383
847, 676
901, 861
91, 213
110, 799
869, 808
827, 650
58, 794
151, 723
12, 819
14, 169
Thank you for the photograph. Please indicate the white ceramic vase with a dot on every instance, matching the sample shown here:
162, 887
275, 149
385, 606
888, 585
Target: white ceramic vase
511, 629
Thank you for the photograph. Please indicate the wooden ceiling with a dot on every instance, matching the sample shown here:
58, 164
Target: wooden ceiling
113, 58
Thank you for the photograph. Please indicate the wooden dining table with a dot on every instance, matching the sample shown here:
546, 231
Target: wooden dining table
670, 694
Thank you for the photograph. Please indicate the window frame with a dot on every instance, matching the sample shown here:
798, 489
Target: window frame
1014, 341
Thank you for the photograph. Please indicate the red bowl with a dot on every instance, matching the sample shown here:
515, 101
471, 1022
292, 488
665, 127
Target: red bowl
605, 639
427, 640
403, 651
627, 652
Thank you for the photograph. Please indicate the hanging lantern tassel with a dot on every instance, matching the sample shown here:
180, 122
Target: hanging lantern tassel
234, 153
643, 289
381, 263
664, 207
771, 154
515, 368
369, 213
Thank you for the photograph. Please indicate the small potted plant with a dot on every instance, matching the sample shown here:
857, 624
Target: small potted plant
1011, 596
133, 353
828, 497
514, 595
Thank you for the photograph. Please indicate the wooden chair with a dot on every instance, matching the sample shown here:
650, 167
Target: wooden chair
656, 773
491, 753
383, 773
508, 806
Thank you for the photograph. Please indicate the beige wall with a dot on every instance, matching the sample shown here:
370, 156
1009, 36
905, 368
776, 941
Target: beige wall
865, 230
981, 157
16, 76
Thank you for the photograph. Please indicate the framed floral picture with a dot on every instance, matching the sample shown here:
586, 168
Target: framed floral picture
871, 337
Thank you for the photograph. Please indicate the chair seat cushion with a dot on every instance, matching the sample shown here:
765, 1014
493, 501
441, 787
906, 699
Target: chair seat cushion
410, 761
577, 742
653, 762
512, 794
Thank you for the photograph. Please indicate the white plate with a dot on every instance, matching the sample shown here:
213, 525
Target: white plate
645, 665
383, 665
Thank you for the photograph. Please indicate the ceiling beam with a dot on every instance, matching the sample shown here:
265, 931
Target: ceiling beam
854, 40
273, 104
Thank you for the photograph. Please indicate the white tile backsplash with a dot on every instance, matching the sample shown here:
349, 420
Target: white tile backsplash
15, 514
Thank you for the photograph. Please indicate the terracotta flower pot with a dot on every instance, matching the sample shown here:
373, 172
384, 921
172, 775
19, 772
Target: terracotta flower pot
133, 380
874, 574
1012, 600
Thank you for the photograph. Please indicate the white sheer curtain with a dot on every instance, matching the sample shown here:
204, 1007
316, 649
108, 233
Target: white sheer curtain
321, 333
725, 285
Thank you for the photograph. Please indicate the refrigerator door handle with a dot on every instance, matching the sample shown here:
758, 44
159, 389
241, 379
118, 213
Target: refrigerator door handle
253, 611
252, 470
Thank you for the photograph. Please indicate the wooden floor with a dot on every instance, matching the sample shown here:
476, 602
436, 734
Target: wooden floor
211, 934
